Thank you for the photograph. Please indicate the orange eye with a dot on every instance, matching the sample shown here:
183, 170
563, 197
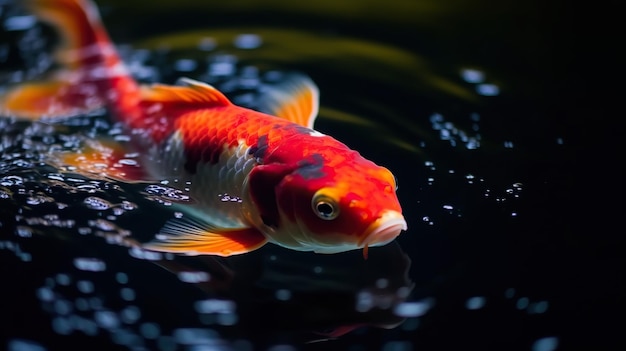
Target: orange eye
324, 206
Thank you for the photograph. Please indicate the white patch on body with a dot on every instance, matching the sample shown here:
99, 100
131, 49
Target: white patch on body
216, 190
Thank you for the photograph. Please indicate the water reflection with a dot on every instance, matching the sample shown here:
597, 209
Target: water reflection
315, 297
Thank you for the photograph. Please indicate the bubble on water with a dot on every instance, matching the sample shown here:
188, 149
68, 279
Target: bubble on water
96, 203
63, 279
45, 294
215, 306
106, 319
227, 319
127, 294
194, 277
5, 193
448, 207
87, 326
207, 44
472, 75
487, 89
38, 199
546, 344
130, 314
102, 225
194, 336
475, 303
145, 254
413, 309
168, 193
538, 307
19, 23
24, 345
248, 41
222, 65
84, 230
81, 304
62, 325
89, 264
11, 181
229, 198
62, 307
166, 343
282, 294
126, 337
185, 65
522, 303
121, 277
150, 330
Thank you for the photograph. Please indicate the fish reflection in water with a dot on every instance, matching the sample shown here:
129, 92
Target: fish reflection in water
314, 297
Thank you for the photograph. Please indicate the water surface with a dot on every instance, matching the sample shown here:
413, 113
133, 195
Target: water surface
455, 100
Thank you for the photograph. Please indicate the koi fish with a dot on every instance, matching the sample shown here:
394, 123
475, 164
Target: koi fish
294, 186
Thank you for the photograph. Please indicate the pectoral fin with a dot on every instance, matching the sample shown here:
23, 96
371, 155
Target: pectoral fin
192, 238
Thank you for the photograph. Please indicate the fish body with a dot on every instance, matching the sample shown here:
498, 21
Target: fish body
254, 177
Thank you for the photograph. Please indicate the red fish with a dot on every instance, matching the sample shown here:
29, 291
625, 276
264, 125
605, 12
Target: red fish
285, 182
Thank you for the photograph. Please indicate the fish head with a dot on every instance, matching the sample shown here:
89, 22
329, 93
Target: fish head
330, 204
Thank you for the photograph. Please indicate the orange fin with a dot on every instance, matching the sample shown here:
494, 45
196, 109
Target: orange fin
192, 237
90, 70
55, 98
191, 93
295, 99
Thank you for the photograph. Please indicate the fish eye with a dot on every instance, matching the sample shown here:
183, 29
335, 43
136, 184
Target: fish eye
325, 207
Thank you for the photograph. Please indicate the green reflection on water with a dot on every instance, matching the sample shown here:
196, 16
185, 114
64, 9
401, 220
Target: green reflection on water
381, 63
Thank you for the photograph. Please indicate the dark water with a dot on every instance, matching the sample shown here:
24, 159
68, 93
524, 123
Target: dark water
470, 104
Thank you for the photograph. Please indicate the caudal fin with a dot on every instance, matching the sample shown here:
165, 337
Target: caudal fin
91, 73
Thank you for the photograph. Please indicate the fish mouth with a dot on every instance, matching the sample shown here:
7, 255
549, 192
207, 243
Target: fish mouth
386, 228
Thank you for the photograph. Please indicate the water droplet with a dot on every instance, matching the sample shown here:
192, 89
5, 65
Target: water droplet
89, 264
248, 41
96, 203
522, 303
475, 303
130, 314
185, 65
106, 319
150, 330
24, 345
215, 306
193, 277
546, 344
472, 75
283, 294
127, 294
121, 277
488, 89
412, 309
194, 336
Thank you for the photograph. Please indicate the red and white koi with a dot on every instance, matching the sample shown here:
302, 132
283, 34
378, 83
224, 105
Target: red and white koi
294, 186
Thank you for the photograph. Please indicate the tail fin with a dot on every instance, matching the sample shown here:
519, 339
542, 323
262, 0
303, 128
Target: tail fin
91, 74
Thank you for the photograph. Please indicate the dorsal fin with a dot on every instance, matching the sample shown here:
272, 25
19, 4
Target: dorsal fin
191, 93
295, 99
